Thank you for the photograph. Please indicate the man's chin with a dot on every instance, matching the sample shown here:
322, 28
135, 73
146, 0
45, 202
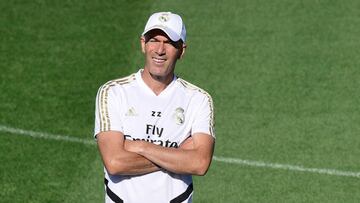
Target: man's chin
157, 75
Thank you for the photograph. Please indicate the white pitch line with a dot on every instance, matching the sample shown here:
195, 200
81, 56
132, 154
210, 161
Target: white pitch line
288, 167
237, 161
45, 135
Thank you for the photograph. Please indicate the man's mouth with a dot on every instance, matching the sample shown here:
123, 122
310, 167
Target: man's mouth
158, 60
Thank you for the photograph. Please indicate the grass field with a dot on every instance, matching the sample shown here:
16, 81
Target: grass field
284, 76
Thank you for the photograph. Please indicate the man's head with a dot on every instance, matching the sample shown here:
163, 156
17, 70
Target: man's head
170, 23
163, 43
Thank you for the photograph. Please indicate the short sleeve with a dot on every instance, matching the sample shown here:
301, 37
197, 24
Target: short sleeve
107, 110
204, 119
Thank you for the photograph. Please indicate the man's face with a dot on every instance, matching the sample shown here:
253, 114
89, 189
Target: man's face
161, 54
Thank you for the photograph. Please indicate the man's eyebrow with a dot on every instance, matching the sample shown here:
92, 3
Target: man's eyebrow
166, 40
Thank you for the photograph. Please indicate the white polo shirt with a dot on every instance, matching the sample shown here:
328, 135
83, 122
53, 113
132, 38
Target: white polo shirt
128, 105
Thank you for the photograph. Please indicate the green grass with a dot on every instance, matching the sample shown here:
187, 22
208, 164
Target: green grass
283, 75
39, 170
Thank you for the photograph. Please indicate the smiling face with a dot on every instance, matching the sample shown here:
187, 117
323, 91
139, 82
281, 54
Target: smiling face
161, 55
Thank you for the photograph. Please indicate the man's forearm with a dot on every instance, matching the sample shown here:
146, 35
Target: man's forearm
175, 160
130, 163
119, 161
194, 161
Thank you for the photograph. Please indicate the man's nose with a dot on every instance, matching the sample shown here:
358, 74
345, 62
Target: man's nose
160, 48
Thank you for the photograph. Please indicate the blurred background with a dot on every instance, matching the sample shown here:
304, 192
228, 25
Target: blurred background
284, 77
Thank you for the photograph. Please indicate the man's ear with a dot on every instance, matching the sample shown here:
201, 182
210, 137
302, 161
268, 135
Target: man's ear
142, 42
182, 50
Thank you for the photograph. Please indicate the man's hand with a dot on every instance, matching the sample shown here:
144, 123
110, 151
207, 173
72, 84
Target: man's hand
134, 146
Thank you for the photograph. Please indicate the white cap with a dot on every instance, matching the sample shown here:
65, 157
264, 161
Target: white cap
168, 22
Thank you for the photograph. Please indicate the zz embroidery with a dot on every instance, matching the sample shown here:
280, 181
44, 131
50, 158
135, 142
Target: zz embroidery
156, 113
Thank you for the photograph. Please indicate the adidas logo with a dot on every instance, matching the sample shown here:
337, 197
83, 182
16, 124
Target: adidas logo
131, 112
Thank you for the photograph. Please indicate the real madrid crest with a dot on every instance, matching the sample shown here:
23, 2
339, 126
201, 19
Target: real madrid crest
179, 116
164, 17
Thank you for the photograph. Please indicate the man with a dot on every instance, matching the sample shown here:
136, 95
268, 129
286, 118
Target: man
153, 129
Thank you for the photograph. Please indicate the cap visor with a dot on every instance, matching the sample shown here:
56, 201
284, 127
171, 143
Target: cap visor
170, 33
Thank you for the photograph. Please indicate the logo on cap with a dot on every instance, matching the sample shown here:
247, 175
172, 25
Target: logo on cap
164, 17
